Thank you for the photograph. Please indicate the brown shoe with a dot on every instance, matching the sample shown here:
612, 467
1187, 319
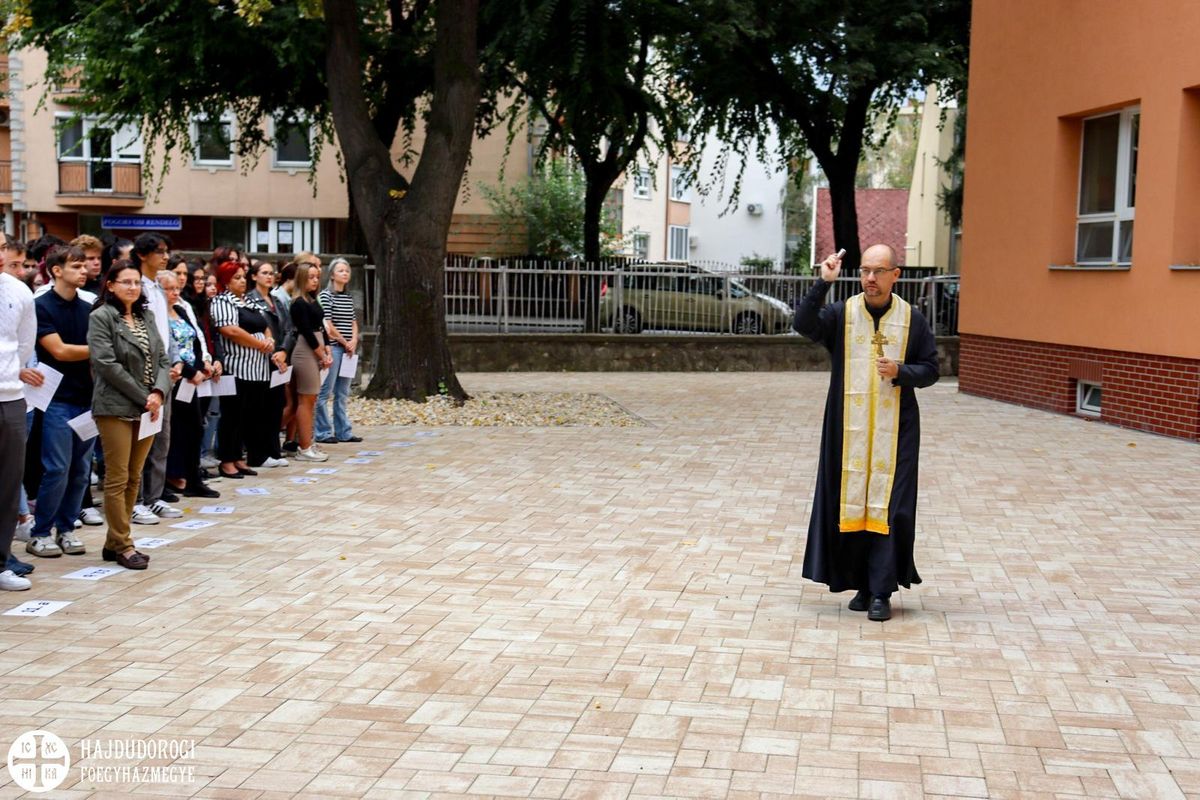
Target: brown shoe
134, 560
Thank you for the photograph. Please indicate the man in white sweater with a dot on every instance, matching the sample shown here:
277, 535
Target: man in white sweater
18, 333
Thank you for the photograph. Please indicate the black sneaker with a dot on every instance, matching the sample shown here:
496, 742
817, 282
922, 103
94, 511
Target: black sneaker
327, 440
200, 491
351, 439
169, 497
291, 446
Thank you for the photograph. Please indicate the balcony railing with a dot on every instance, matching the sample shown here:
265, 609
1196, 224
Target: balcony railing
100, 178
5, 177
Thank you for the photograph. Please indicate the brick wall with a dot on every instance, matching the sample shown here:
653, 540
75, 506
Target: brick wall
882, 218
1160, 394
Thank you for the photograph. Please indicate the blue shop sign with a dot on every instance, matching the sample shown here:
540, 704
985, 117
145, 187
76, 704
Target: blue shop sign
139, 222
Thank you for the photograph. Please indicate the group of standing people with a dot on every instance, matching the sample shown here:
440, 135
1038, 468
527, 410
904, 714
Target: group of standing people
171, 375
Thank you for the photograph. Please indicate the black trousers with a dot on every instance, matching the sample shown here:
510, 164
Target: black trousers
243, 415
263, 441
183, 458
12, 463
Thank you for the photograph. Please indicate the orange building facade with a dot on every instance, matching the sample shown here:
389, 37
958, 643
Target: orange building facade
1081, 230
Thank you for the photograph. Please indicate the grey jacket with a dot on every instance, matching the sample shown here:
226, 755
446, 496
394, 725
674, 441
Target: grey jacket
118, 364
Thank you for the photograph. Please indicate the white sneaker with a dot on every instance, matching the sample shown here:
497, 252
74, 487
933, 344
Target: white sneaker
271, 463
164, 510
91, 516
143, 516
208, 462
71, 544
24, 531
10, 582
311, 454
43, 547
95, 479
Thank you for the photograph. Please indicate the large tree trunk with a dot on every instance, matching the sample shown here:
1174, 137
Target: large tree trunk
845, 217
405, 226
593, 210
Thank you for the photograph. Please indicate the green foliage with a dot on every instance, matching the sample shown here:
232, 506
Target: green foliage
548, 209
890, 152
757, 264
950, 198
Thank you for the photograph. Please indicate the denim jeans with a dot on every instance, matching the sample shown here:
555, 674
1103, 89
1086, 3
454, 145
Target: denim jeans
208, 441
340, 389
66, 470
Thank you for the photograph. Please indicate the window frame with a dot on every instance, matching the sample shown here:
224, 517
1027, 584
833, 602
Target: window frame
278, 163
226, 118
642, 180
680, 186
1122, 211
671, 233
640, 236
1082, 406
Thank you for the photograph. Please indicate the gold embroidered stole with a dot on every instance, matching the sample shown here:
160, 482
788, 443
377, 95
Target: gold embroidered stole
870, 416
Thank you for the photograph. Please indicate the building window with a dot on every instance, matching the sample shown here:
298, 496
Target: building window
641, 184
293, 143
677, 243
641, 245
230, 230
1107, 186
679, 186
213, 140
1087, 399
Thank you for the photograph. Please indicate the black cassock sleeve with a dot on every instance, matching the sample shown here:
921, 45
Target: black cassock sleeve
816, 320
920, 367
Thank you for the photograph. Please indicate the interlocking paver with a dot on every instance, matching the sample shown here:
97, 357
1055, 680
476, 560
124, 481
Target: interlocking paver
619, 612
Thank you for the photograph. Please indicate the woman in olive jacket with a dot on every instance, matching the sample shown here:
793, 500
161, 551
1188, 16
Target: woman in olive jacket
132, 376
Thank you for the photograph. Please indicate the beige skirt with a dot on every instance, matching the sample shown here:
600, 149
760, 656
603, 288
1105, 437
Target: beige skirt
306, 368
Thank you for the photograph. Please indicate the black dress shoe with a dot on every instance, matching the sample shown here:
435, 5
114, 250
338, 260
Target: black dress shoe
880, 610
351, 439
237, 475
327, 440
169, 497
860, 602
200, 491
247, 471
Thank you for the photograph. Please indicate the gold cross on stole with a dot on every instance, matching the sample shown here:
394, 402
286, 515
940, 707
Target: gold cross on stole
879, 340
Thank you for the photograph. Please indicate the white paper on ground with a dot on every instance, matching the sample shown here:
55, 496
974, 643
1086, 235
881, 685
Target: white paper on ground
401, 444
194, 524
349, 366
423, 434
253, 490
280, 378
149, 427
303, 479
150, 544
92, 573
37, 608
369, 453
40, 396
217, 510
360, 460
322, 471
185, 392
204, 389
84, 426
225, 385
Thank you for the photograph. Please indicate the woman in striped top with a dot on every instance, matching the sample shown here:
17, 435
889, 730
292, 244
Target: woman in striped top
246, 334
341, 330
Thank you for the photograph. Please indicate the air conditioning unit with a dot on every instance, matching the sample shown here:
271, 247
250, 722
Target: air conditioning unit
693, 241
754, 209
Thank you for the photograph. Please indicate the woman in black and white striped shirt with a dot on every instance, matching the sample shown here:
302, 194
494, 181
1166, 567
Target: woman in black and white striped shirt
341, 331
246, 334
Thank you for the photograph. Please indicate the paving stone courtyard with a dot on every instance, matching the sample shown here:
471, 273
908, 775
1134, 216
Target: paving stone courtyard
619, 613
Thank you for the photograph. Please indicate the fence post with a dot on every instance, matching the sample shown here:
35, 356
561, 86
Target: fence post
503, 310
728, 305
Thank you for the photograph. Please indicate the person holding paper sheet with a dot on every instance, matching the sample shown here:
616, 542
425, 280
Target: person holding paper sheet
18, 334
132, 376
183, 457
341, 330
63, 317
248, 341
262, 444
309, 356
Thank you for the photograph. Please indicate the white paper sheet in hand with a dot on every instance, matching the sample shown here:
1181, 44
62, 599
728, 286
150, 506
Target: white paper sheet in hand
226, 385
40, 396
149, 427
204, 389
84, 426
185, 392
280, 378
321, 378
349, 366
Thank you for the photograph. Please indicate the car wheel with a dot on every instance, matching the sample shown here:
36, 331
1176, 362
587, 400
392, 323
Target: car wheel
748, 325
627, 321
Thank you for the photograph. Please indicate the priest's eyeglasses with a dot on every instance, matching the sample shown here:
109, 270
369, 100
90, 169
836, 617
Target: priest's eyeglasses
878, 273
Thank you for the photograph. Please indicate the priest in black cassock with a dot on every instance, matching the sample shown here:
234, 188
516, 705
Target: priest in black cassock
863, 521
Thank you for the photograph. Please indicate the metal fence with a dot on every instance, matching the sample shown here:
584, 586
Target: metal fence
528, 296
